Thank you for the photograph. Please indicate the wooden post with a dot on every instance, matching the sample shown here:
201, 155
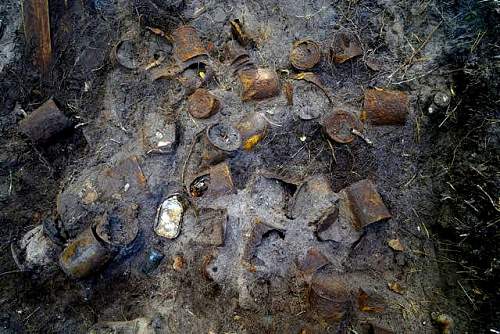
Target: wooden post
37, 31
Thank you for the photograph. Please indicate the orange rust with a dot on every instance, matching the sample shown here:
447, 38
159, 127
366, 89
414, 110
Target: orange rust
288, 91
345, 46
187, 43
37, 31
202, 104
259, 84
386, 107
339, 126
366, 304
366, 204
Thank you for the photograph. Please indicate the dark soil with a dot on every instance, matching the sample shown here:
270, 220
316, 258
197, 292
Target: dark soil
438, 174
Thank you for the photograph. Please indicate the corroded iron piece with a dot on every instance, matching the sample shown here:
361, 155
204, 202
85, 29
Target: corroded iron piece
305, 54
385, 107
215, 182
224, 137
259, 84
345, 46
187, 43
36, 17
329, 298
44, 123
252, 128
339, 126
366, 204
85, 255
315, 80
202, 104
238, 57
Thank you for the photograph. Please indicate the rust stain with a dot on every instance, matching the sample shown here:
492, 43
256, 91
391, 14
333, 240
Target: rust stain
385, 107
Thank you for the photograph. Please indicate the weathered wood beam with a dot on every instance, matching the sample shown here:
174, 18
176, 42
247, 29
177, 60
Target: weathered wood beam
37, 31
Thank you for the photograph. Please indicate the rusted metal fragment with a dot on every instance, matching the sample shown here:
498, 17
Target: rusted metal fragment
210, 226
224, 137
238, 57
311, 198
366, 204
370, 303
239, 32
252, 128
329, 298
305, 54
202, 104
36, 18
85, 255
315, 80
259, 84
345, 46
313, 261
44, 123
187, 44
385, 107
288, 91
215, 182
125, 179
339, 126
119, 228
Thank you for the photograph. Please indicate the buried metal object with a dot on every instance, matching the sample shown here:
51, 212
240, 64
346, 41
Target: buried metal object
252, 128
224, 137
345, 46
85, 255
212, 183
187, 44
366, 204
258, 84
329, 298
44, 123
169, 217
339, 126
202, 104
238, 57
305, 54
385, 107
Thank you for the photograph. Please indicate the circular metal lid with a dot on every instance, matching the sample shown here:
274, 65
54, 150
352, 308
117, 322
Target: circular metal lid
339, 126
224, 137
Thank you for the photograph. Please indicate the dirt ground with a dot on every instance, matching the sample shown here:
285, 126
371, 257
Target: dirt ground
437, 173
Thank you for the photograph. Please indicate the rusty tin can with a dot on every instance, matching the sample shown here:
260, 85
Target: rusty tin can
339, 125
44, 123
259, 84
252, 128
305, 54
366, 204
216, 181
187, 44
202, 104
329, 298
385, 107
85, 255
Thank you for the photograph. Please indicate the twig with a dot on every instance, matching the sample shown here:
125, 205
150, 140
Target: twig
467, 295
11, 272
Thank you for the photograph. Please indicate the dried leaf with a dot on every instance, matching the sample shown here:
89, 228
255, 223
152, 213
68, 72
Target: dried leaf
395, 287
396, 245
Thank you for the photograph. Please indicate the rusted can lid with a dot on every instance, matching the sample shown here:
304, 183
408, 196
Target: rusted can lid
202, 104
305, 54
224, 137
339, 125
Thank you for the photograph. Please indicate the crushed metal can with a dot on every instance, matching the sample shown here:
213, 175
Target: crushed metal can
85, 255
329, 298
259, 84
315, 80
125, 54
119, 228
187, 44
169, 217
215, 182
339, 125
385, 107
239, 32
366, 203
239, 58
305, 54
345, 46
44, 123
312, 262
224, 137
202, 104
252, 128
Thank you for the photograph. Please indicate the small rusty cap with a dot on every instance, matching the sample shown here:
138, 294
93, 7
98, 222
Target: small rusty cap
224, 137
203, 104
305, 54
339, 126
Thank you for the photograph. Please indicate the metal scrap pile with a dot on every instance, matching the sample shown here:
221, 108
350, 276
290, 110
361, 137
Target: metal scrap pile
260, 239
